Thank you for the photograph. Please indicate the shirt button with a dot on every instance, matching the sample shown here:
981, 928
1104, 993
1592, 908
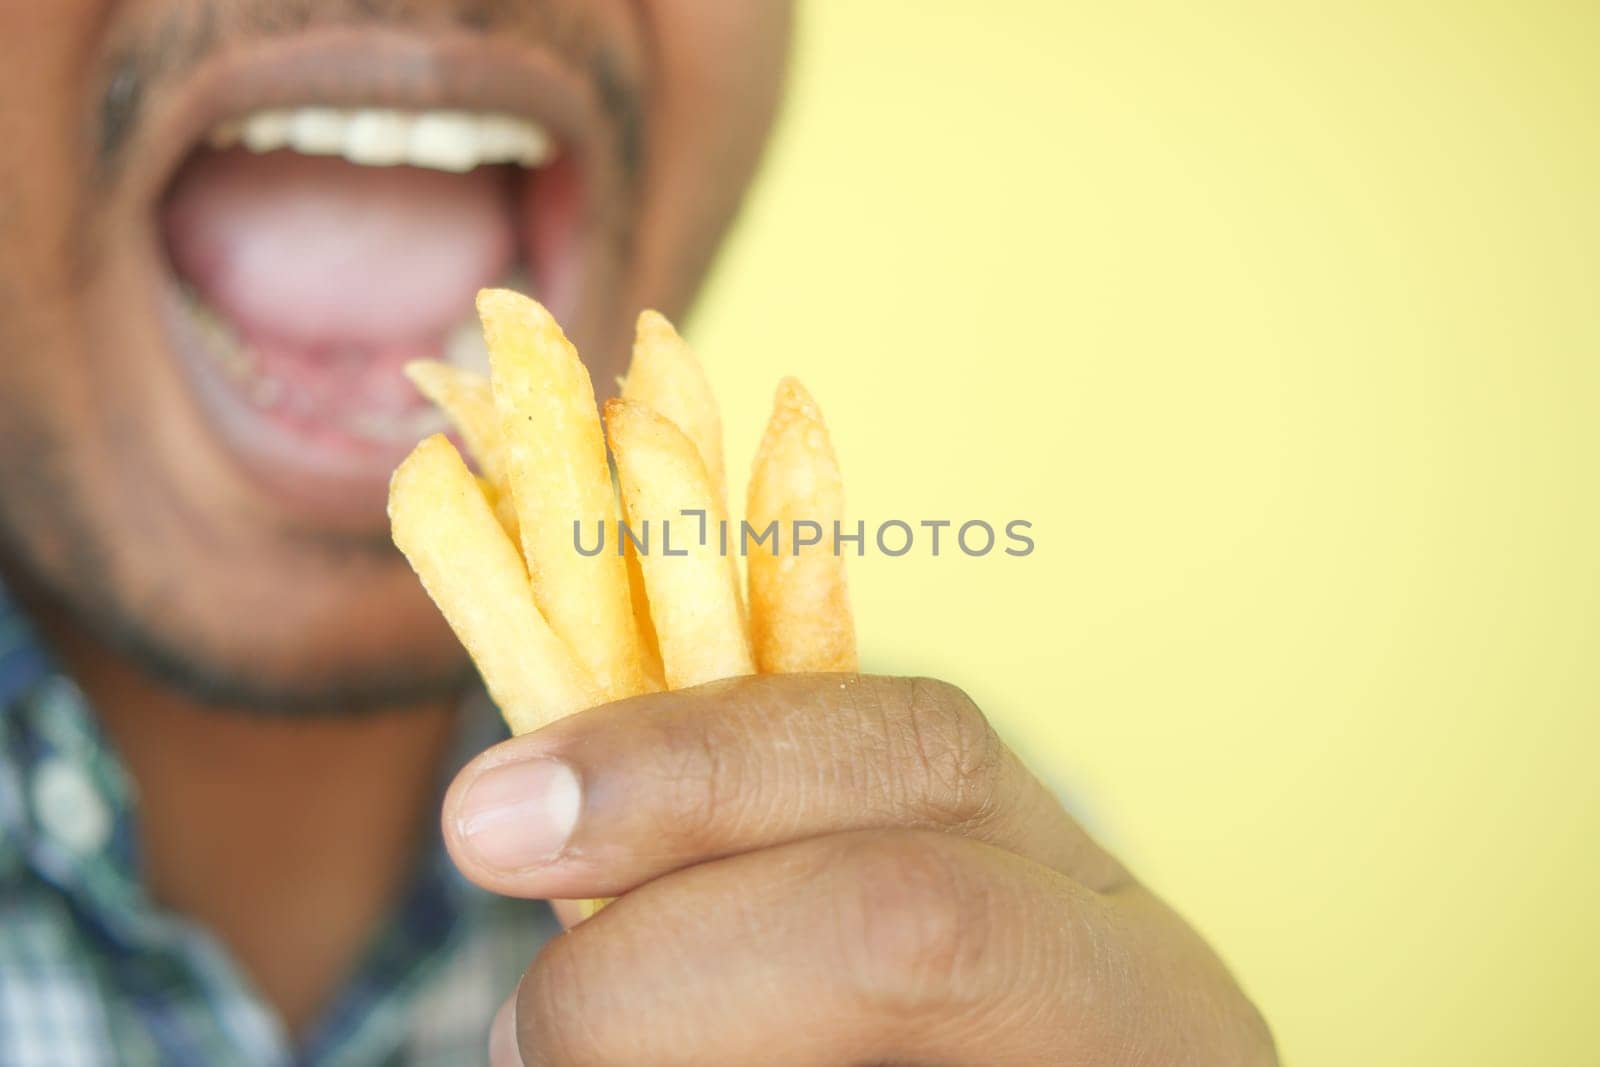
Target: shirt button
69, 807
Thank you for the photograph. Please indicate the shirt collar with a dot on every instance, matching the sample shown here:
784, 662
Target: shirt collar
67, 816
68, 808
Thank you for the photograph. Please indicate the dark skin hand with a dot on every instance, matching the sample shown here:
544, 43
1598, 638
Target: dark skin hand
826, 869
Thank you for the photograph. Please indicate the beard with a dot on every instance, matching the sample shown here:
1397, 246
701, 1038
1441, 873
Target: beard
58, 561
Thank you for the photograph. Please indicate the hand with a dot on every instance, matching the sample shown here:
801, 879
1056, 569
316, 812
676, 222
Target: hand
825, 869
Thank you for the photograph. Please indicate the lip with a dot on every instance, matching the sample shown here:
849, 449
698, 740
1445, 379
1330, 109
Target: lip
353, 67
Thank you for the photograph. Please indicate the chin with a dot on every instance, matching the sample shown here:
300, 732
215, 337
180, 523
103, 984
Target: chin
331, 664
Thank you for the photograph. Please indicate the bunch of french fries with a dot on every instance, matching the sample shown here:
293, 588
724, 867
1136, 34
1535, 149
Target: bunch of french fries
553, 630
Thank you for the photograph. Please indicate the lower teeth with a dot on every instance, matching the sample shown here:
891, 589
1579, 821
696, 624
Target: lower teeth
220, 343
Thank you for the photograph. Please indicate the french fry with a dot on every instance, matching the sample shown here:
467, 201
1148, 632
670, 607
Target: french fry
467, 401
444, 526
556, 465
553, 631
499, 499
693, 592
650, 644
665, 376
464, 396
497, 504
800, 617
505, 509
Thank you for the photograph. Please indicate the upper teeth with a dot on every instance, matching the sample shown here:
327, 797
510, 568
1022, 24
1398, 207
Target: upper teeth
455, 141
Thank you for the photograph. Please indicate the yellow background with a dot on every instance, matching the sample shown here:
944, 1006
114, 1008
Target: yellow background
1280, 323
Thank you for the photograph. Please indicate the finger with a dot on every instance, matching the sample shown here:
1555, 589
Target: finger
872, 947
503, 1036
615, 796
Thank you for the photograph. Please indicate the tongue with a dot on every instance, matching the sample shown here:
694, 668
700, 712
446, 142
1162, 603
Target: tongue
313, 255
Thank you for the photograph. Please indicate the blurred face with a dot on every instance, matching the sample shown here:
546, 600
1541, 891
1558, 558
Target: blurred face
225, 225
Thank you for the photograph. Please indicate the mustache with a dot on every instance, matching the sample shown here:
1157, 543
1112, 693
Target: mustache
162, 48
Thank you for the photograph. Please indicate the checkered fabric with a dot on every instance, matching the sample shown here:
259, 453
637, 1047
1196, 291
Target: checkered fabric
92, 972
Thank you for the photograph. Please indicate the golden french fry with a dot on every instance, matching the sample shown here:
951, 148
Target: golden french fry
692, 585
500, 503
800, 617
665, 376
650, 645
496, 503
464, 396
444, 526
556, 465
505, 509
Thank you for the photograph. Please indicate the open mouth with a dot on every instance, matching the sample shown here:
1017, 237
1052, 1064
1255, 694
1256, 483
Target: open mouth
314, 247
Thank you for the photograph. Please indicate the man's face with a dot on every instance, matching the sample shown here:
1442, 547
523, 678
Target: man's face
225, 225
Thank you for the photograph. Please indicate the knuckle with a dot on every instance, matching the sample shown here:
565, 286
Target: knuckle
950, 751
912, 923
699, 780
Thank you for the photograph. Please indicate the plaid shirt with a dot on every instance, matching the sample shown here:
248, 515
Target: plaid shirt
93, 972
